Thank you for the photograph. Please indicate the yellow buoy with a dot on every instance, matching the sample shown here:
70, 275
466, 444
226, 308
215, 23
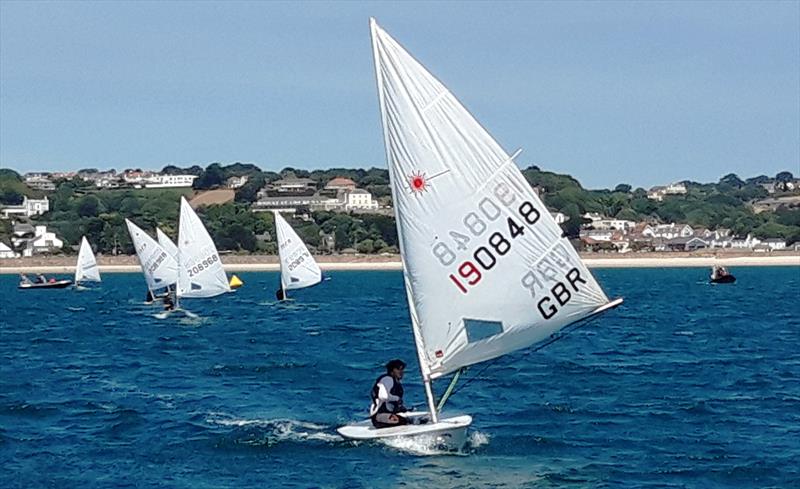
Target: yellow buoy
236, 282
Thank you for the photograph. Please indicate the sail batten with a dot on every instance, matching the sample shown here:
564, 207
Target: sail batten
200, 271
486, 268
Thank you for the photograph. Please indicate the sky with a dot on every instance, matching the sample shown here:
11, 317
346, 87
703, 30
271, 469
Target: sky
643, 93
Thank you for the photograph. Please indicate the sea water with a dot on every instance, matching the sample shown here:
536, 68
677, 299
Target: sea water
686, 384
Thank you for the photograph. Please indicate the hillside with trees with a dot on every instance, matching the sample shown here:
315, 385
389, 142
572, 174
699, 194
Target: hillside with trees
78, 208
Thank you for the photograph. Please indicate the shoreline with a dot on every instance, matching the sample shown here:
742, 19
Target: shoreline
269, 263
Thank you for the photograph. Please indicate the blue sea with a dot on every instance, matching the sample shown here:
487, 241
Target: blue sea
685, 385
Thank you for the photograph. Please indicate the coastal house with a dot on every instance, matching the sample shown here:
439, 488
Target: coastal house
668, 231
236, 182
6, 251
292, 184
34, 240
658, 193
613, 224
597, 234
559, 217
28, 208
169, 181
686, 243
775, 244
340, 183
40, 181
744, 242
359, 199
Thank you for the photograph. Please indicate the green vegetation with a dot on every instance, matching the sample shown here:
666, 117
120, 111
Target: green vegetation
78, 208
13, 188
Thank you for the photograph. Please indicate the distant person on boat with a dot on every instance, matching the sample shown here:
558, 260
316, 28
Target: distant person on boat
23, 279
718, 272
41, 279
387, 397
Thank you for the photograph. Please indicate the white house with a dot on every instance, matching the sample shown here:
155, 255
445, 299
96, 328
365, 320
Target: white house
359, 199
675, 189
668, 231
775, 244
616, 224
28, 208
559, 217
170, 181
597, 234
6, 251
237, 182
42, 241
746, 242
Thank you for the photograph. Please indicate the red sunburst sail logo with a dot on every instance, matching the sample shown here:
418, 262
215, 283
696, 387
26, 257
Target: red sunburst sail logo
418, 182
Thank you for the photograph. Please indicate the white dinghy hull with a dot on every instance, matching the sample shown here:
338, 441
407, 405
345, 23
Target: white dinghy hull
450, 432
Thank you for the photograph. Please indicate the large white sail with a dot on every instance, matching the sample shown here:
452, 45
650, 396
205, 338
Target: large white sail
487, 270
298, 268
86, 269
159, 268
200, 273
167, 243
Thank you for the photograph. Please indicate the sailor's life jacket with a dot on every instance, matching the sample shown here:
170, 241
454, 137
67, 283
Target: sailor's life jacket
387, 395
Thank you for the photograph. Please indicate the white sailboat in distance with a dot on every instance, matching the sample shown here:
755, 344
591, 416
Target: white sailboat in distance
200, 272
86, 269
167, 243
159, 268
298, 268
486, 268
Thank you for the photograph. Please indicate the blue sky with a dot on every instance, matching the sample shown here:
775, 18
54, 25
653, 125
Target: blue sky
637, 92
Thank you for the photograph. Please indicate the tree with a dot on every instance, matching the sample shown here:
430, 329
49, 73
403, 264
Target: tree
784, 177
731, 179
212, 177
89, 206
622, 187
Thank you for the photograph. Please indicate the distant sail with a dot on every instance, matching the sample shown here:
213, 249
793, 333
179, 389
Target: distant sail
86, 269
200, 273
159, 268
486, 268
167, 243
298, 268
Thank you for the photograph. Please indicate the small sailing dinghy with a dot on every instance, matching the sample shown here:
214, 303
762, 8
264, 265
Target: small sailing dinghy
298, 268
159, 267
486, 268
200, 272
86, 269
167, 243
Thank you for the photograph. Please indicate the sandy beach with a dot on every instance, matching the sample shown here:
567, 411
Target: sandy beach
258, 263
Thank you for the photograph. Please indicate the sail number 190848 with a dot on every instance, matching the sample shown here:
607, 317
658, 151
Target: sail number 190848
485, 256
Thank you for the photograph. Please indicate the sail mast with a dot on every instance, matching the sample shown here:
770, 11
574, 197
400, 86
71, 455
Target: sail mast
423, 365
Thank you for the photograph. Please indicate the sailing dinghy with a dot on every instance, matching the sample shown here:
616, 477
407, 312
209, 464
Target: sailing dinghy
298, 268
167, 243
200, 272
86, 269
486, 268
159, 268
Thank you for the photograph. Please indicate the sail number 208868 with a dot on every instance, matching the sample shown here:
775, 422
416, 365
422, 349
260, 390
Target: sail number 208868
207, 262
498, 243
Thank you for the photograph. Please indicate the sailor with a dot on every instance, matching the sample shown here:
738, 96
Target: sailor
41, 279
387, 397
23, 279
169, 305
